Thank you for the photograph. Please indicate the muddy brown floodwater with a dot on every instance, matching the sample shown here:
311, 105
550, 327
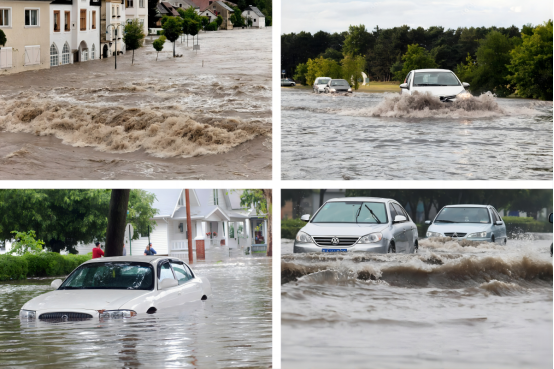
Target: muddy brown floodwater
232, 329
454, 305
205, 115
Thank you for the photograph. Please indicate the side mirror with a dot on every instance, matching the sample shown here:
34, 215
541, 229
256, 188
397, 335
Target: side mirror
427, 222
167, 283
305, 217
498, 222
550, 218
399, 218
465, 84
56, 283
404, 85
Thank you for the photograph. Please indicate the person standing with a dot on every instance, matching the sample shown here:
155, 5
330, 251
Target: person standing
97, 251
124, 251
150, 250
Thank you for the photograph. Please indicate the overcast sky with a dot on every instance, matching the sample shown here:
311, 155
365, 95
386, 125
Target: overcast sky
336, 15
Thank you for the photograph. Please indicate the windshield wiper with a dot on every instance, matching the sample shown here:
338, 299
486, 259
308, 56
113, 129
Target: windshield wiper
358, 213
428, 84
445, 221
373, 214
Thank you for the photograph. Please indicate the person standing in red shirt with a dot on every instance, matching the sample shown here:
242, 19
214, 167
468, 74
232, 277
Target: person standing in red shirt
97, 251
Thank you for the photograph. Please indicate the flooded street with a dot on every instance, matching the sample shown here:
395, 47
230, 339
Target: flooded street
386, 137
449, 306
232, 329
205, 115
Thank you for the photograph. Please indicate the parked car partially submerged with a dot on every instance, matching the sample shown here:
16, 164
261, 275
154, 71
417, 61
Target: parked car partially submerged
320, 83
439, 82
471, 222
119, 287
337, 86
287, 82
358, 224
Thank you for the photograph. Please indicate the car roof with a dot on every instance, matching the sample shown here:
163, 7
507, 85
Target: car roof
432, 70
141, 258
467, 206
374, 199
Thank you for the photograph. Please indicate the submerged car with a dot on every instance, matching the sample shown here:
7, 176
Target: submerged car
320, 83
337, 86
287, 82
119, 287
358, 224
471, 222
439, 82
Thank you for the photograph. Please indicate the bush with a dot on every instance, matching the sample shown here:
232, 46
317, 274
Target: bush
517, 225
290, 227
160, 32
12, 267
211, 27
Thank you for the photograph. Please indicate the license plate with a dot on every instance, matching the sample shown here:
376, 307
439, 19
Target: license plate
334, 250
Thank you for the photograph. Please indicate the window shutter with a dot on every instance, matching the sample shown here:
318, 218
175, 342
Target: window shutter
37, 55
8, 57
32, 55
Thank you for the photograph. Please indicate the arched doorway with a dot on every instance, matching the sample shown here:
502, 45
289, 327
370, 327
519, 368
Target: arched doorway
65, 54
83, 51
54, 56
105, 51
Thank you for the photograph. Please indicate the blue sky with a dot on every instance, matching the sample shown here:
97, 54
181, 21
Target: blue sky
337, 15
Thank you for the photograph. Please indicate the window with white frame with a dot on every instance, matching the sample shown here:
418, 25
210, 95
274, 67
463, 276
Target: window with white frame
54, 55
31, 17
84, 55
65, 54
141, 3
92, 51
5, 14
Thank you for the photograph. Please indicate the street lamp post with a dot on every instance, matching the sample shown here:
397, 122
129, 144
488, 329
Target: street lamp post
115, 28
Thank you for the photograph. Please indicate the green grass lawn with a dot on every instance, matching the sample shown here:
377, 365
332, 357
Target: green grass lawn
373, 87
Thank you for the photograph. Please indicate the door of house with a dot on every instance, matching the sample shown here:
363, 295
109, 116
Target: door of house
258, 231
105, 51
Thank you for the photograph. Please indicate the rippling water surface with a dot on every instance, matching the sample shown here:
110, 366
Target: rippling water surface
449, 306
232, 329
383, 136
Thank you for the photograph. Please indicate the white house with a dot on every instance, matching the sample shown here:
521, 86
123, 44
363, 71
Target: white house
257, 17
74, 31
208, 13
112, 21
137, 9
217, 220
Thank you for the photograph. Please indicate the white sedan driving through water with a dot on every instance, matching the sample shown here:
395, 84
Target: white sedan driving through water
439, 82
119, 287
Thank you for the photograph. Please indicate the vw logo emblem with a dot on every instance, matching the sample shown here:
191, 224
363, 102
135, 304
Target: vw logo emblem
335, 240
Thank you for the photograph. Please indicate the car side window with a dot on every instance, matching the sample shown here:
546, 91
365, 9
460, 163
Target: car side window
497, 215
165, 272
181, 272
392, 212
494, 215
405, 212
398, 209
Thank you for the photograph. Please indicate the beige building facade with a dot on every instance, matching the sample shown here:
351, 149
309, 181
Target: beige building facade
27, 28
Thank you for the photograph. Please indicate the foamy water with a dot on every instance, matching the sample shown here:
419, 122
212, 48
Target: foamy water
452, 305
390, 136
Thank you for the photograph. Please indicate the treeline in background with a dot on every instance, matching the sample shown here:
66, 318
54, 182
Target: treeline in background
496, 59
420, 204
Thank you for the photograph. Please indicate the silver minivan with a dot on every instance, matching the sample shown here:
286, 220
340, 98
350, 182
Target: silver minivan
471, 222
358, 224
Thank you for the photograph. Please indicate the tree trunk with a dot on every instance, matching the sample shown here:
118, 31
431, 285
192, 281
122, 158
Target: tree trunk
133, 58
173, 48
268, 194
158, 53
117, 219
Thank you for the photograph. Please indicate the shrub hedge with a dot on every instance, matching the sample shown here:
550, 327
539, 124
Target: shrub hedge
44, 264
514, 225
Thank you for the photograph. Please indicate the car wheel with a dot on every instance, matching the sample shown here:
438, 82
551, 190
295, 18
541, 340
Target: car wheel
416, 247
392, 249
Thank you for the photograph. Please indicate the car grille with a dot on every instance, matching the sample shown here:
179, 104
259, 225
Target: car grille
457, 234
65, 317
343, 241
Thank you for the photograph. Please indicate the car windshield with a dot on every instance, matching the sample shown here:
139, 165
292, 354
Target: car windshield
111, 276
463, 215
323, 81
352, 212
435, 79
339, 82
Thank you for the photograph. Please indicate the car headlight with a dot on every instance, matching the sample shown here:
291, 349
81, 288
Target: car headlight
303, 237
371, 238
349, 90
433, 234
116, 314
477, 235
463, 95
28, 314
333, 90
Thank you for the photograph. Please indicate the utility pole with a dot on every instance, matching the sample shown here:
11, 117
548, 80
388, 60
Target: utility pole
189, 226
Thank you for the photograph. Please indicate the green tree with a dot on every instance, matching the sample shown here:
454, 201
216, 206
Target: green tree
172, 29
415, 58
493, 58
205, 21
194, 28
358, 41
133, 37
466, 72
141, 212
159, 45
300, 73
236, 18
352, 68
321, 67
219, 21
3, 38
25, 242
262, 201
531, 64
332, 54
211, 27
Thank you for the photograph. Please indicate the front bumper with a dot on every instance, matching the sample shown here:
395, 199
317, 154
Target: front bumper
376, 248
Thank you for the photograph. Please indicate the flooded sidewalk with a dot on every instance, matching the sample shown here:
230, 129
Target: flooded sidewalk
232, 329
205, 115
